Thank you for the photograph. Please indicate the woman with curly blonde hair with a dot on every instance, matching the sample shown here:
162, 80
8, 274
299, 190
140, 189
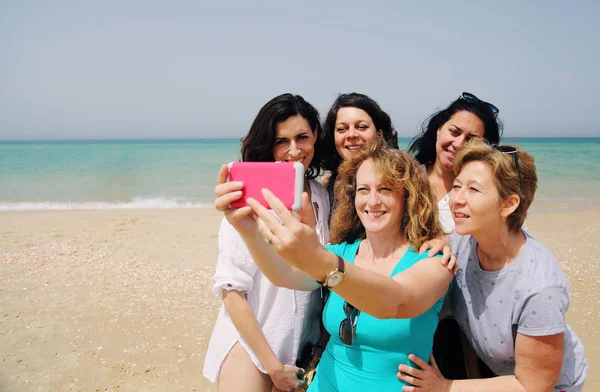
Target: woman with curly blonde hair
402, 173
385, 296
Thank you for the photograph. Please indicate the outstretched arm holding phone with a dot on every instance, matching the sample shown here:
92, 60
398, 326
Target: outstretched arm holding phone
293, 257
271, 264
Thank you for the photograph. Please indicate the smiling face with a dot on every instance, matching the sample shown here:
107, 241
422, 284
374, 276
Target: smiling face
474, 201
353, 129
379, 208
459, 129
295, 141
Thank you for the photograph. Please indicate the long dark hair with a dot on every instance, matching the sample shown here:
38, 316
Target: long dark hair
381, 120
257, 145
423, 145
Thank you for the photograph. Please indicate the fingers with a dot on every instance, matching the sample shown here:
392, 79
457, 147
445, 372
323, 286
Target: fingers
446, 252
410, 371
228, 187
418, 361
307, 214
298, 214
436, 247
424, 247
410, 375
453, 265
223, 173
234, 215
300, 376
278, 207
226, 192
288, 378
268, 234
269, 220
408, 389
267, 223
222, 203
447, 257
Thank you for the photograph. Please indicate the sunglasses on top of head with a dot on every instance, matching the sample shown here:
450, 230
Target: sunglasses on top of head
510, 150
471, 98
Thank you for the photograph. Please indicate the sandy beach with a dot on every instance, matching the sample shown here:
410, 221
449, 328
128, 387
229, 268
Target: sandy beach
120, 300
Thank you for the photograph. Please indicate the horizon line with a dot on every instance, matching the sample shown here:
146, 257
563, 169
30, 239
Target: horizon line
238, 139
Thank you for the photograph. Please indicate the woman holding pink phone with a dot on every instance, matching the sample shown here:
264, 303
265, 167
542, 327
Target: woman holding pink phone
261, 328
385, 295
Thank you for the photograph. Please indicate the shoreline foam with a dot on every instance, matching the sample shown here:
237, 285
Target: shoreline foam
135, 204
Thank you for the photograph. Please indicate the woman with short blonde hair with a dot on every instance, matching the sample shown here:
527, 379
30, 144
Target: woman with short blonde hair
510, 296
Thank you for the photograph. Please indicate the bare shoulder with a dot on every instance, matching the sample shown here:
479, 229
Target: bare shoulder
427, 270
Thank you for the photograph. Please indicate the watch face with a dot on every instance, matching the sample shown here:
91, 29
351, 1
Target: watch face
334, 279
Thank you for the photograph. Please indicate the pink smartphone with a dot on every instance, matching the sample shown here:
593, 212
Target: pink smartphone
284, 179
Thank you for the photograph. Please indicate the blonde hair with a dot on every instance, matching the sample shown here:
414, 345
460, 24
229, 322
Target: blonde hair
506, 177
402, 173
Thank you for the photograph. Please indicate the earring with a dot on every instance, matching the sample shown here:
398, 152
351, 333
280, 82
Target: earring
503, 218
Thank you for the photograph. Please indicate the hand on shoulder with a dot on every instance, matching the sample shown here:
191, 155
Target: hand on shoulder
325, 179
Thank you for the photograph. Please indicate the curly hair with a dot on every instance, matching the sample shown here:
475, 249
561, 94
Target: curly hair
402, 173
505, 175
381, 120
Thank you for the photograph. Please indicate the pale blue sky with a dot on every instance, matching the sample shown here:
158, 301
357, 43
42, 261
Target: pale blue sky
195, 69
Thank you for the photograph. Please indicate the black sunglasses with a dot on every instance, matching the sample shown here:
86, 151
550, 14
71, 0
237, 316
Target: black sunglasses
348, 325
471, 98
504, 149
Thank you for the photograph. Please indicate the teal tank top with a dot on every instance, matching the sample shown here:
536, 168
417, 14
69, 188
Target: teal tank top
379, 346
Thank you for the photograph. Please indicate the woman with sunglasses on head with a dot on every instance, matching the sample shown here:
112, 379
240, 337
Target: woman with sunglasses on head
385, 296
261, 328
442, 136
510, 296
353, 121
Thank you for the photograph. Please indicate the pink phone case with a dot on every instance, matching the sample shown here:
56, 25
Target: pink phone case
284, 179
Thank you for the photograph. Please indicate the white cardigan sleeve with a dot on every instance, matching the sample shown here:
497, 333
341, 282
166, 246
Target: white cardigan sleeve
235, 268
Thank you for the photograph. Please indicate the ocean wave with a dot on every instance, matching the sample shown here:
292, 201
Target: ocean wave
135, 204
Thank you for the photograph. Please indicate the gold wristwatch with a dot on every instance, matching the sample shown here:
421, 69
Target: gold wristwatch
334, 277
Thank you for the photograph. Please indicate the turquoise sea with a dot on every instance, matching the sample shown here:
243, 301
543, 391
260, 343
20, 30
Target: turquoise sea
42, 175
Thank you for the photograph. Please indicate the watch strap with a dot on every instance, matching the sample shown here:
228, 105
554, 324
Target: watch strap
341, 267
